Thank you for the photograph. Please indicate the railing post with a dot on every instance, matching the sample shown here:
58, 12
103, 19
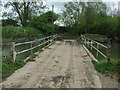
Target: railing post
14, 52
97, 48
91, 44
108, 54
49, 40
31, 48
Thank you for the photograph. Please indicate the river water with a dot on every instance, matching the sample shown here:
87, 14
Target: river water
114, 51
7, 51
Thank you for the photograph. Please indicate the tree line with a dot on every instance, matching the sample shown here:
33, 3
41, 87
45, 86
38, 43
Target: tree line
91, 18
30, 14
77, 17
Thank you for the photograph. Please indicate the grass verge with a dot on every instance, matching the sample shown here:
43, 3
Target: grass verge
8, 66
112, 69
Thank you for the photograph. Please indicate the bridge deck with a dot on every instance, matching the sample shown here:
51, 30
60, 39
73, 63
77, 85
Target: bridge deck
62, 65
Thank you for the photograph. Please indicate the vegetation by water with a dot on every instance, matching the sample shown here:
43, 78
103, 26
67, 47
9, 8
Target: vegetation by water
97, 37
112, 69
20, 34
91, 18
9, 67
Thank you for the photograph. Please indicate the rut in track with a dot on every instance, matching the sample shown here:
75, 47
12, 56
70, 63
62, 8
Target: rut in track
62, 65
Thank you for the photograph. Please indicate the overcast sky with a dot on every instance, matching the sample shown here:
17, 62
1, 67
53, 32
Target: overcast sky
59, 4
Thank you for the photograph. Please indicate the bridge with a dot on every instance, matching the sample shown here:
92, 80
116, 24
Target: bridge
64, 64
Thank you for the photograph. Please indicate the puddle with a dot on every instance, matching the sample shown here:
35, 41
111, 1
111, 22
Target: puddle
58, 79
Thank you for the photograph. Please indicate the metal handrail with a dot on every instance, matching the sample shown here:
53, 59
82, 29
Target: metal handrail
49, 39
86, 39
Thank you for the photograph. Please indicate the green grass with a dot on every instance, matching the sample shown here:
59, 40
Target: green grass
97, 37
31, 58
8, 66
112, 69
20, 34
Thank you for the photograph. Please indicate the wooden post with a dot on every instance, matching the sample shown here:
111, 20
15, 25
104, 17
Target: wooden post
14, 52
108, 54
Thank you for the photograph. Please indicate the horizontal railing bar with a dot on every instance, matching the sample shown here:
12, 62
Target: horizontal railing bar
83, 38
24, 43
99, 52
95, 41
32, 41
32, 48
100, 44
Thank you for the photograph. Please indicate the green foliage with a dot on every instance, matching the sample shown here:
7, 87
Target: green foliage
9, 22
69, 36
20, 33
24, 10
97, 37
108, 69
90, 18
44, 23
8, 66
106, 26
32, 57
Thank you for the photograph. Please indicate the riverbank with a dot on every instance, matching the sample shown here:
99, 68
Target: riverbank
9, 67
19, 34
97, 37
112, 69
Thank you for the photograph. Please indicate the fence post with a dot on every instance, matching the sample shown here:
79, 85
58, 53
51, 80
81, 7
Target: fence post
108, 54
91, 44
31, 47
97, 48
49, 40
14, 52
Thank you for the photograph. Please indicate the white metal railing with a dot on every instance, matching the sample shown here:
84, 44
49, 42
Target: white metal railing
45, 40
89, 42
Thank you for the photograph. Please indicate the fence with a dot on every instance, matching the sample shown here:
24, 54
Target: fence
45, 40
90, 42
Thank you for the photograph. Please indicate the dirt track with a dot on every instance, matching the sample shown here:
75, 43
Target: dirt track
62, 65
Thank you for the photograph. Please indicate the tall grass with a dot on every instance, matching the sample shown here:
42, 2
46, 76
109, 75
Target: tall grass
8, 66
20, 34
112, 69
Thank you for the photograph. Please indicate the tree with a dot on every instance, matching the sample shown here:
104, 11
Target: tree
25, 10
78, 15
45, 22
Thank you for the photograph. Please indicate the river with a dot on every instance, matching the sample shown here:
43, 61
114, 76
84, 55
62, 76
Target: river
114, 51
